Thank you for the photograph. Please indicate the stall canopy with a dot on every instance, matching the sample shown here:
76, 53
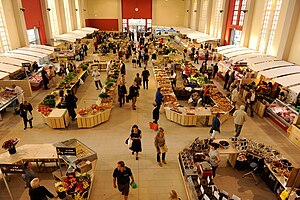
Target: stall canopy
241, 57
28, 53
192, 34
281, 71
11, 61
20, 57
3, 75
295, 89
238, 49
8, 68
37, 46
37, 50
269, 65
76, 34
288, 80
261, 59
239, 52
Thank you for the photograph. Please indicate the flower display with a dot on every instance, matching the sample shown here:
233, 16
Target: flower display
76, 185
8, 144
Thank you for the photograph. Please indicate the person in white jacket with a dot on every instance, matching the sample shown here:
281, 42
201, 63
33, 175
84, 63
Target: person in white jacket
234, 96
240, 116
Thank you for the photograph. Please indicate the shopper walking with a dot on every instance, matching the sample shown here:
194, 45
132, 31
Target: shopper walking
215, 127
133, 93
29, 174
240, 116
215, 70
121, 178
155, 113
52, 74
121, 92
231, 79
71, 104
136, 136
134, 60
161, 147
19, 92
62, 100
145, 75
158, 98
250, 100
214, 157
26, 113
138, 80
226, 77
38, 192
234, 97
45, 78
96, 76
123, 68
35, 66
174, 78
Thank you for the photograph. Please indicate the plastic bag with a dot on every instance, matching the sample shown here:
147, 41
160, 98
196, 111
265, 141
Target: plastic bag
81, 82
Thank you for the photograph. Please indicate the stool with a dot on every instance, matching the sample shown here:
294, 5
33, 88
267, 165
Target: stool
254, 167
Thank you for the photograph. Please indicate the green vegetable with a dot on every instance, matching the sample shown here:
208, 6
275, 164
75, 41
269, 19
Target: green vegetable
103, 95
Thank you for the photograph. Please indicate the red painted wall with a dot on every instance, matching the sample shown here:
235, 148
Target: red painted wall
33, 17
144, 6
103, 24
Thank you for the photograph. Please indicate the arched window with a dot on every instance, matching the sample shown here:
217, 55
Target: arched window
4, 39
218, 18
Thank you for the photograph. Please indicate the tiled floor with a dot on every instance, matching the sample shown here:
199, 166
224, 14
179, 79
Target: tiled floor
108, 141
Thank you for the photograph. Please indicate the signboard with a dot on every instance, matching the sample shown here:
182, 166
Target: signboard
68, 151
26, 65
57, 49
12, 168
71, 57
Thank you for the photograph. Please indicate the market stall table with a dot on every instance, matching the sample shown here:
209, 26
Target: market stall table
92, 120
58, 118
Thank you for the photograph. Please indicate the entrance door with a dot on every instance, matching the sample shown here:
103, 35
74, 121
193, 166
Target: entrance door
235, 37
33, 36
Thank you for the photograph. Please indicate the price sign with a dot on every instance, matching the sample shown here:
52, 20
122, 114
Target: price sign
12, 168
57, 49
67, 151
26, 65
71, 57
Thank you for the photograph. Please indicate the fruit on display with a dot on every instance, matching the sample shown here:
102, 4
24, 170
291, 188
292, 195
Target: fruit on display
36, 78
45, 110
82, 112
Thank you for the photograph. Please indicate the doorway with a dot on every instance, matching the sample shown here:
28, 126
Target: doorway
33, 36
235, 37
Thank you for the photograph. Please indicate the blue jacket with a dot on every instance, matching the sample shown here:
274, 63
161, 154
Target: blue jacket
215, 125
158, 98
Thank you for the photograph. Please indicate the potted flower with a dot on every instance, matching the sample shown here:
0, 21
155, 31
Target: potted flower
60, 189
10, 145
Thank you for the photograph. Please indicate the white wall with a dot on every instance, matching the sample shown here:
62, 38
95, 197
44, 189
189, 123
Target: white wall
12, 27
168, 13
256, 23
104, 9
295, 47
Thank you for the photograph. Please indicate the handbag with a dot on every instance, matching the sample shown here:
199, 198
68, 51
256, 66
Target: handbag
29, 116
153, 126
163, 149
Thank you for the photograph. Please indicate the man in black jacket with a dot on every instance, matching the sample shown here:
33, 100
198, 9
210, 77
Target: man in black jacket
145, 75
71, 100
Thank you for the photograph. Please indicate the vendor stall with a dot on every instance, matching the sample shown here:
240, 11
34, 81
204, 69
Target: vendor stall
75, 181
197, 172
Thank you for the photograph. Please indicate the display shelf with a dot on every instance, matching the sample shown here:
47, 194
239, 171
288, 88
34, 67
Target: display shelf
293, 133
283, 113
58, 118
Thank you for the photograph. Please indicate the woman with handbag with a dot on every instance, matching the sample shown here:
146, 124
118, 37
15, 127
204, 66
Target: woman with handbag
26, 113
136, 136
215, 127
62, 101
160, 145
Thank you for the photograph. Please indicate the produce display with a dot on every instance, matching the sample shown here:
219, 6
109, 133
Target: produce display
283, 111
69, 80
49, 101
198, 79
106, 95
45, 110
222, 103
37, 78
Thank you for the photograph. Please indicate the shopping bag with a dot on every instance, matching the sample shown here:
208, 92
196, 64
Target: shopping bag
127, 140
134, 185
163, 149
153, 126
29, 116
